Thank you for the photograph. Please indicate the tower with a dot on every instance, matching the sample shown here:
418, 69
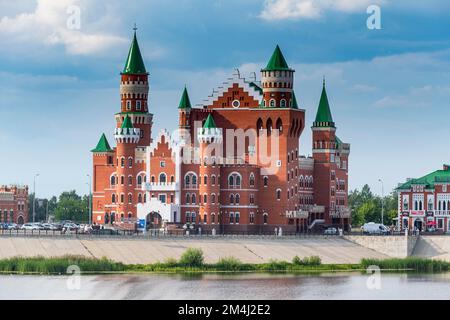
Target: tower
330, 167
127, 138
184, 114
134, 88
277, 82
210, 140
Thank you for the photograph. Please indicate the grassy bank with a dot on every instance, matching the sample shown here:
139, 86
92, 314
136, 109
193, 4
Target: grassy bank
193, 261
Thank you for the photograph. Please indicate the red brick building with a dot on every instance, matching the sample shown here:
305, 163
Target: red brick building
424, 202
234, 163
14, 204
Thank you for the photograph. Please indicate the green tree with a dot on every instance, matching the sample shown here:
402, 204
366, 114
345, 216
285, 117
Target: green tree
72, 207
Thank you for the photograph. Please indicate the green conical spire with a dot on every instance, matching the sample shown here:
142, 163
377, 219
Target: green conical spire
277, 61
135, 63
209, 123
127, 124
185, 103
323, 116
294, 101
102, 145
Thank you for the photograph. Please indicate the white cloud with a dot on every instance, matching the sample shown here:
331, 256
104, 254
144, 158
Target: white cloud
310, 9
48, 24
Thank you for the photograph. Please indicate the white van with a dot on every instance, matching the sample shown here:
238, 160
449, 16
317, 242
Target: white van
374, 228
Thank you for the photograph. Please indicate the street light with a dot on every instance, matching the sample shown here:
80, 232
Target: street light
382, 201
34, 196
90, 198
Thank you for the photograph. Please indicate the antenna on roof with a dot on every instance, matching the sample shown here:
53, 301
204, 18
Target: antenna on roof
135, 27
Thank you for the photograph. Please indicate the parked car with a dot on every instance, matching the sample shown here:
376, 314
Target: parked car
330, 230
46, 226
375, 228
71, 226
13, 226
56, 226
30, 226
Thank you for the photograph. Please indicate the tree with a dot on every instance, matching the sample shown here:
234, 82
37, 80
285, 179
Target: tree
72, 207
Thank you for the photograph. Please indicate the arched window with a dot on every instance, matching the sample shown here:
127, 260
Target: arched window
130, 180
205, 218
187, 181
265, 218
283, 103
213, 198
266, 181
237, 198
194, 181
279, 125
231, 217
139, 180
252, 218
130, 198
234, 180
252, 180
113, 181
172, 179
122, 198
231, 181
272, 103
140, 198
130, 162
213, 180
188, 198
122, 180
153, 179
278, 194
122, 162
236, 217
213, 218
269, 126
259, 125
231, 198
162, 177
194, 200
113, 198
205, 198
205, 179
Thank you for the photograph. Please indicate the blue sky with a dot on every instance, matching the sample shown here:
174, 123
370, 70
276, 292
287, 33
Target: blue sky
389, 89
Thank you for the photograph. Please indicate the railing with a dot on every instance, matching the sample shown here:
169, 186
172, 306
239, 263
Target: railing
163, 186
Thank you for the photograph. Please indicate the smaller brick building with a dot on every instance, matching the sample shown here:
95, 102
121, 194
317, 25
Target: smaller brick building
424, 202
14, 204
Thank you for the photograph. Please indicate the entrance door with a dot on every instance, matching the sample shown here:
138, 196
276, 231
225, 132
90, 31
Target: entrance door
154, 220
418, 224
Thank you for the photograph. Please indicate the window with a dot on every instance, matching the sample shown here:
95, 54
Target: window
130, 198
122, 162
162, 198
130, 162
188, 198
113, 198
213, 198
128, 105
266, 181
139, 180
234, 180
252, 218
205, 218
236, 217
122, 180
213, 218
231, 217
138, 105
162, 177
113, 181
194, 199
265, 218
213, 180
172, 179
283, 103
130, 180
237, 199
122, 198
153, 179
162, 164
205, 179
205, 198
272, 103
278, 194
231, 198
188, 217
140, 198
252, 199
252, 180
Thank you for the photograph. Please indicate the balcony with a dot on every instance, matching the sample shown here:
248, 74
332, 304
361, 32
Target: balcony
300, 214
341, 212
160, 186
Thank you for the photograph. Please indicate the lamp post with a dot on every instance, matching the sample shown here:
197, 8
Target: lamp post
34, 196
90, 198
382, 201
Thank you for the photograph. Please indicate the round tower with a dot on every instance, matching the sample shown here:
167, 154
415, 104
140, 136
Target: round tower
127, 138
210, 140
277, 81
134, 88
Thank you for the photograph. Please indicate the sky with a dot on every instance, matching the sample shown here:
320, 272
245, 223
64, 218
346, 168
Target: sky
389, 88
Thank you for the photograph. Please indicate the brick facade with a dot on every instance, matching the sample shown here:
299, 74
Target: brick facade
14, 204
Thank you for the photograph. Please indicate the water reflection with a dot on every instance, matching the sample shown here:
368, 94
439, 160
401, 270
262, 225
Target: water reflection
229, 286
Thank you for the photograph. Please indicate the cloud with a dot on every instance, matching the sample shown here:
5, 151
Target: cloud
50, 24
310, 9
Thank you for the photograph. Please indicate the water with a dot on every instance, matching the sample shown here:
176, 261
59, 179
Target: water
229, 287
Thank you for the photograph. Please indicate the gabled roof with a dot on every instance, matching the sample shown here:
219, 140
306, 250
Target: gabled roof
102, 145
185, 102
134, 63
277, 61
209, 123
323, 116
127, 124
429, 180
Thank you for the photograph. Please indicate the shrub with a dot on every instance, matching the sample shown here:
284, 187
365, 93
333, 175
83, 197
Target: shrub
307, 261
171, 262
192, 257
229, 264
296, 260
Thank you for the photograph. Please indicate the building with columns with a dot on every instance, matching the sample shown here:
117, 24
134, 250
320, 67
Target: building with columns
14, 204
233, 164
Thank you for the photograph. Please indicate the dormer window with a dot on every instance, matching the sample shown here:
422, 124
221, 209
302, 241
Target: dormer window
138, 105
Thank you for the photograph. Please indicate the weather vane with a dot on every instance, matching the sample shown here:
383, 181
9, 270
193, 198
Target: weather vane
135, 27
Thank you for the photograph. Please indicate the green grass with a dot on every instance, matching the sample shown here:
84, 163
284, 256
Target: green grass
192, 261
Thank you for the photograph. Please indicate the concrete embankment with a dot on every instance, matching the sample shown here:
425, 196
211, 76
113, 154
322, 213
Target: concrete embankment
433, 247
392, 246
137, 251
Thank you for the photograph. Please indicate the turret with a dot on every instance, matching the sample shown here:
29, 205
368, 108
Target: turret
277, 82
134, 88
210, 139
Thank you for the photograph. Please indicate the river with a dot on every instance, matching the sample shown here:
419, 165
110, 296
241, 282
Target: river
219, 286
